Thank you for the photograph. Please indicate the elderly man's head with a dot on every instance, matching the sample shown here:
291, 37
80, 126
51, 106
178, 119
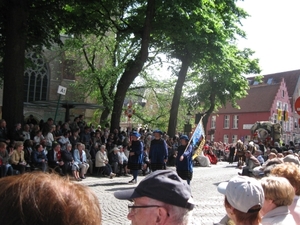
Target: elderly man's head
161, 197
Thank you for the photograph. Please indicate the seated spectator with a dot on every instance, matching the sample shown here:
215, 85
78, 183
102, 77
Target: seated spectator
291, 172
5, 167
80, 159
64, 140
49, 200
101, 161
17, 158
251, 163
258, 155
88, 159
279, 194
4, 136
28, 149
123, 161
39, 158
292, 159
26, 132
17, 134
69, 164
114, 159
54, 159
38, 138
244, 197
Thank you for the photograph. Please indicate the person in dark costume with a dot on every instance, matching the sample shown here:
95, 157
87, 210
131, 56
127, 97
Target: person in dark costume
184, 162
135, 156
158, 154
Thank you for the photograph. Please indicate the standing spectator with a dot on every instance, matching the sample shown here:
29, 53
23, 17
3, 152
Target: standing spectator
114, 159
135, 156
5, 167
80, 160
184, 162
39, 158
3, 132
231, 153
17, 158
101, 161
244, 198
158, 154
31, 120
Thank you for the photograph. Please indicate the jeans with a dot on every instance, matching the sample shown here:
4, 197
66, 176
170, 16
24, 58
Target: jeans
6, 170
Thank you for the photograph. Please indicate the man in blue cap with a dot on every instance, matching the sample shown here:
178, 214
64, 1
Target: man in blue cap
184, 161
158, 153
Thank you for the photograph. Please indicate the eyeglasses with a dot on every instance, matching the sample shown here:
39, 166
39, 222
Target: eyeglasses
131, 207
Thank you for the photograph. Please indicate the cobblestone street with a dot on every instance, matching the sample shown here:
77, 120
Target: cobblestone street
209, 202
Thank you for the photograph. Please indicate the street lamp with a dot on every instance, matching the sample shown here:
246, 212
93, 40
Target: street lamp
188, 126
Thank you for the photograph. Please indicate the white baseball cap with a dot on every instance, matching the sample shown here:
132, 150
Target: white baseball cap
243, 193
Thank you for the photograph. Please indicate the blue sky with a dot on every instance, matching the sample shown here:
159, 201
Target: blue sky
273, 32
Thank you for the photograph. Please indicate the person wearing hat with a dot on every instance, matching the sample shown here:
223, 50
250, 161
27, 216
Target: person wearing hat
161, 198
244, 197
158, 154
135, 156
184, 162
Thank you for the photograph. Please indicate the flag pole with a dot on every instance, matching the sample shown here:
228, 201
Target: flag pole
194, 133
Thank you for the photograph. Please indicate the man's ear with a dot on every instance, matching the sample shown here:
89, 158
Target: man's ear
161, 216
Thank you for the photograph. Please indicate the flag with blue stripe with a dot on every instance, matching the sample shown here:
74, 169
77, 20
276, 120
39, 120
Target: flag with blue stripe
199, 131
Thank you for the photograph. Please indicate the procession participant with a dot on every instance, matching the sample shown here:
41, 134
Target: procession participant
244, 197
184, 162
161, 198
135, 156
158, 153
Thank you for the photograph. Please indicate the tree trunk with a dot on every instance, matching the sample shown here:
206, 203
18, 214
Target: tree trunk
212, 99
13, 61
104, 115
133, 68
176, 97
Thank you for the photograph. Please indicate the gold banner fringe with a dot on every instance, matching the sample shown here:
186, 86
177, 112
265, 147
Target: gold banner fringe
199, 149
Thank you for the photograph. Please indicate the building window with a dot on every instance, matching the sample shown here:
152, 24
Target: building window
295, 123
234, 138
226, 121
247, 138
279, 105
212, 137
285, 107
255, 82
282, 93
36, 78
235, 122
213, 122
225, 139
275, 118
270, 81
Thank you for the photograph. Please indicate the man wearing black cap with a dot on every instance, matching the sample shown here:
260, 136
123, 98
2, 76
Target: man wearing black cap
161, 198
158, 153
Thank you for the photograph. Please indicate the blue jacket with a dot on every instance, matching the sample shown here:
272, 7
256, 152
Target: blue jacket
187, 163
158, 151
76, 156
137, 148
